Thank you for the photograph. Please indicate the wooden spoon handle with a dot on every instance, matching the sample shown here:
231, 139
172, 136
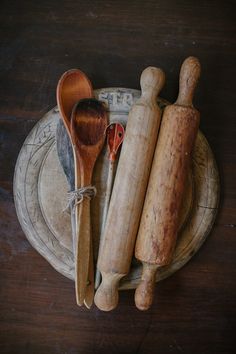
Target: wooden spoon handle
105, 211
110, 178
89, 294
82, 256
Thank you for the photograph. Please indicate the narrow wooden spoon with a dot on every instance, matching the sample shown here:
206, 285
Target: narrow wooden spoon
115, 135
88, 125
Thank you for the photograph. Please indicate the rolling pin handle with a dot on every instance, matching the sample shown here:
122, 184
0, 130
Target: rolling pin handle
145, 290
188, 78
152, 80
107, 296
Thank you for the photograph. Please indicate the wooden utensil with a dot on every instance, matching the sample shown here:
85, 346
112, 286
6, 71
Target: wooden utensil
65, 155
129, 189
159, 222
88, 125
115, 136
73, 86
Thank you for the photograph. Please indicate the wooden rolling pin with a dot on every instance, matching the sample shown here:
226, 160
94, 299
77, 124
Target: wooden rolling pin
159, 222
129, 189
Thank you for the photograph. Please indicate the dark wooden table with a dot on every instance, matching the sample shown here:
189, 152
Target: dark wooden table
112, 41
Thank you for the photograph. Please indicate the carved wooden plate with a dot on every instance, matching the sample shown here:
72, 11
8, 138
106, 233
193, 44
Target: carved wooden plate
40, 193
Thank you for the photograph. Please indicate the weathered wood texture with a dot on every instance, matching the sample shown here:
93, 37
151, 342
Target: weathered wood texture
160, 221
129, 189
194, 311
42, 211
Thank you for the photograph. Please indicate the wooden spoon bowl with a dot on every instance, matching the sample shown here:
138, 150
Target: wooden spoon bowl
72, 87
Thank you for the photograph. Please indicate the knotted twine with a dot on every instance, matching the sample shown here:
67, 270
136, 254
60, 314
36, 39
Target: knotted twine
77, 196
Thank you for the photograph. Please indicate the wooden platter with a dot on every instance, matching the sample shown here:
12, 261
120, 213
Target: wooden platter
40, 193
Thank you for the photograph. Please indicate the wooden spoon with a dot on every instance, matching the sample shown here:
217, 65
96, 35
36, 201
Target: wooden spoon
65, 155
115, 135
72, 87
88, 125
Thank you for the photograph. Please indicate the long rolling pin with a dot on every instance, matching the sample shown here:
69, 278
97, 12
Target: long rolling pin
159, 222
129, 189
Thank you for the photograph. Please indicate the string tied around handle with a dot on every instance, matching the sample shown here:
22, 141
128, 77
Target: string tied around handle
77, 196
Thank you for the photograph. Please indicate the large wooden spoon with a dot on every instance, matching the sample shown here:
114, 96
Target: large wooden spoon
72, 87
88, 125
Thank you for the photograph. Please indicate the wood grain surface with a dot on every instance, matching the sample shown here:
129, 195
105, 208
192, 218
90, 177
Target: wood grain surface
112, 42
130, 184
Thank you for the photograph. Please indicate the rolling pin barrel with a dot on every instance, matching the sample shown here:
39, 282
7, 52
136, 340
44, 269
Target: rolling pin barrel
159, 222
129, 189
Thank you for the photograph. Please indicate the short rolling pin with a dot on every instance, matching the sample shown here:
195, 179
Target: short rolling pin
159, 222
129, 189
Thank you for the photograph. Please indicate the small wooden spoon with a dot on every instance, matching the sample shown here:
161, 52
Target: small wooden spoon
88, 125
115, 136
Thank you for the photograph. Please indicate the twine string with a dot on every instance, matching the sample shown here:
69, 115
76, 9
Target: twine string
77, 196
